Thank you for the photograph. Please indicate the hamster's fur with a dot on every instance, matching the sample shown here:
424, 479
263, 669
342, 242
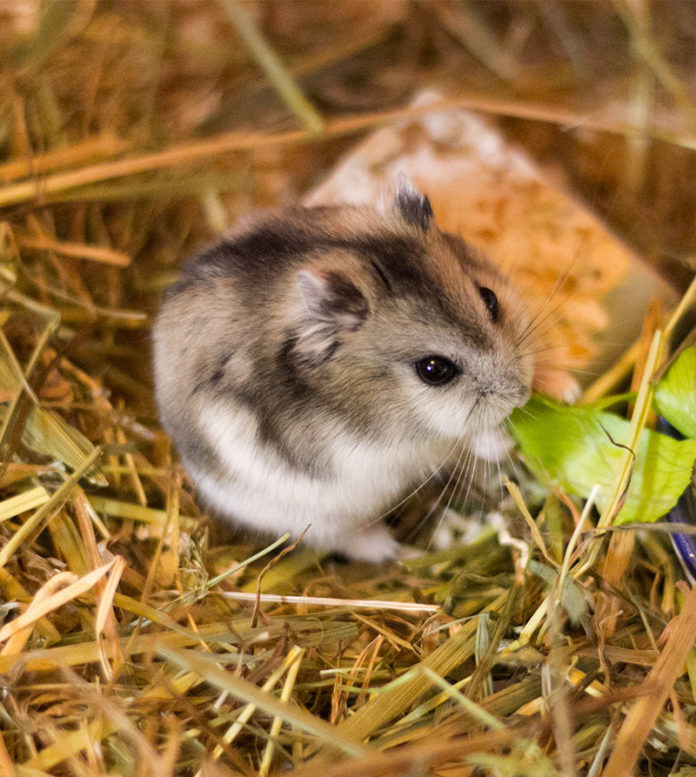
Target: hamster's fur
315, 364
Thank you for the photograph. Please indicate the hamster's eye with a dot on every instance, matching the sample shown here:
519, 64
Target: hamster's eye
436, 370
490, 300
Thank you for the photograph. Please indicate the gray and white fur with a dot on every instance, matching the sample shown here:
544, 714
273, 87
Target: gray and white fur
316, 364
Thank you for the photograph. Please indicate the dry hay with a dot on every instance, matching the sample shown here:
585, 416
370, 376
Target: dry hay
130, 132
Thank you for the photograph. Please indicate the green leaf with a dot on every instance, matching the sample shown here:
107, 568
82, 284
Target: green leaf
572, 597
573, 600
576, 448
545, 572
675, 396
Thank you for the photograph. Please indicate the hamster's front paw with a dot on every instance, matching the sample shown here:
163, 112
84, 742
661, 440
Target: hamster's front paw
374, 544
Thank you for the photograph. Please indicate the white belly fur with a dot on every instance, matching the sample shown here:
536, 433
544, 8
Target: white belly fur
265, 494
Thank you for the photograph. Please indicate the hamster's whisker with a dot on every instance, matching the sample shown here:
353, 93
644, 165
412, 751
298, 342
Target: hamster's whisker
572, 368
524, 410
546, 320
466, 477
537, 351
463, 466
463, 459
534, 320
514, 464
513, 460
464, 472
580, 371
501, 488
558, 285
419, 487
427, 515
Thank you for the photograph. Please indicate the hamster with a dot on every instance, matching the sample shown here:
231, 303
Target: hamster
316, 364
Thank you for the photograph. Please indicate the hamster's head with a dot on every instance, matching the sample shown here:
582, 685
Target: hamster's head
407, 330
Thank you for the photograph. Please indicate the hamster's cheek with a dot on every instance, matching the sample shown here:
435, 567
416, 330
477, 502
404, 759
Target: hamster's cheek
444, 412
458, 412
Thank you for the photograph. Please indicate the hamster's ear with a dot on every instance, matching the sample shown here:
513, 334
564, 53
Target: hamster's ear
412, 206
332, 304
331, 298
